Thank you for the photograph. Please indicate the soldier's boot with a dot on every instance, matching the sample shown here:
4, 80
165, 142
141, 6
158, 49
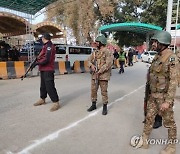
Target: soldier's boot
169, 149
145, 144
104, 112
55, 106
40, 102
158, 122
93, 107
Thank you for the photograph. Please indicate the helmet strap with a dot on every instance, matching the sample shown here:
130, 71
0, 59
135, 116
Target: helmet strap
163, 47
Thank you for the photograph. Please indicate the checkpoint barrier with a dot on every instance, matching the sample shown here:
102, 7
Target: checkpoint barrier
62, 67
12, 69
15, 69
81, 66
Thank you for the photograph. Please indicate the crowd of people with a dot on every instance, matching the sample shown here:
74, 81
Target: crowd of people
125, 58
8, 53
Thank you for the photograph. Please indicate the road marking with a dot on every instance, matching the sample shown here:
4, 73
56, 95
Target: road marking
55, 135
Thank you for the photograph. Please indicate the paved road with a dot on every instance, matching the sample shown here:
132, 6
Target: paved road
72, 130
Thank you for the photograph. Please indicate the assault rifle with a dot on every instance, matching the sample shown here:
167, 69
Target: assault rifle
146, 98
30, 68
96, 77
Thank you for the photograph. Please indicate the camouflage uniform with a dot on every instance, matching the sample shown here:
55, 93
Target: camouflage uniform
104, 59
163, 83
178, 68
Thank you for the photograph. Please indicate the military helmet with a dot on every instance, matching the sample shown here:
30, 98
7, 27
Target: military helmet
162, 37
101, 39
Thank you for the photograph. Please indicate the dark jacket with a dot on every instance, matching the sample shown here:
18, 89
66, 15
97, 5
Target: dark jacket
46, 57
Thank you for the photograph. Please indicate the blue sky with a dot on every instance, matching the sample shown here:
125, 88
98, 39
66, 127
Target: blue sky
38, 19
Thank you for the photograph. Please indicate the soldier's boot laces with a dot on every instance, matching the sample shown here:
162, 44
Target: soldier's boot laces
145, 144
40, 102
104, 112
93, 107
55, 106
169, 149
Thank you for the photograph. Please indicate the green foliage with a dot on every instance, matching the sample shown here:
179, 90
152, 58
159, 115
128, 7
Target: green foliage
84, 17
150, 12
127, 12
129, 38
154, 12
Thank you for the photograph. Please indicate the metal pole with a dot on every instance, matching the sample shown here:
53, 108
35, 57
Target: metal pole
169, 16
177, 15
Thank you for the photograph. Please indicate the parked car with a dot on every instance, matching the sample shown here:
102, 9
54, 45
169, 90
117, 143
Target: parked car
148, 56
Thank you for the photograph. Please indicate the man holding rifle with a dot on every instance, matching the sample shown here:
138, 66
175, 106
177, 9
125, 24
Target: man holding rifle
100, 63
45, 60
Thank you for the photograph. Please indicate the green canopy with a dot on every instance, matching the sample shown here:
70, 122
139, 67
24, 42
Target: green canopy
178, 26
131, 27
26, 6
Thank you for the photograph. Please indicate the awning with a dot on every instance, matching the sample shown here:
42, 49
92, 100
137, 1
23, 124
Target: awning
131, 27
178, 26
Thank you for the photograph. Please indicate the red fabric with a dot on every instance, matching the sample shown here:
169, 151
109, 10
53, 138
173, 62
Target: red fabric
42, 57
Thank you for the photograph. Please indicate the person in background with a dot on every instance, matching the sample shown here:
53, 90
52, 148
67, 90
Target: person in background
116, 56
130, 57
122, 59
15, 54
3, 53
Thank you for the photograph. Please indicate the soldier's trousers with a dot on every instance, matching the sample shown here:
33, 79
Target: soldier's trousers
94, 88
153, 108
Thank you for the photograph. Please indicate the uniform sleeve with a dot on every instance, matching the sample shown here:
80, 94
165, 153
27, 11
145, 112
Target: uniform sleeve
90, 59
47, 56
109, 62
171, 89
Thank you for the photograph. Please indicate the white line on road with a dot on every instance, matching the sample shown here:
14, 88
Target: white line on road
55, 135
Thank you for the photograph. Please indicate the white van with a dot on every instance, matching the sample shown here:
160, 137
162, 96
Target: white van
72, 53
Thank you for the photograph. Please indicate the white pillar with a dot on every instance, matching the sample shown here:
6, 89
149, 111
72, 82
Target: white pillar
169, 15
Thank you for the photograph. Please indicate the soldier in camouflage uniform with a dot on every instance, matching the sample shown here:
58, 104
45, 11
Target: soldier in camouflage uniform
100, 63
162, 80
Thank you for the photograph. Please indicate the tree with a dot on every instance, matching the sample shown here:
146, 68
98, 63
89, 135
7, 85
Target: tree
154, 12
127, 11
82, 16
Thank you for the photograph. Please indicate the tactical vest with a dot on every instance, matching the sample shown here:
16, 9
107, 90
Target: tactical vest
121, 56
159, 75
100, 58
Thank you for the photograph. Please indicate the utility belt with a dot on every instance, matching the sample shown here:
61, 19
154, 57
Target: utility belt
157, 90
158, 95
